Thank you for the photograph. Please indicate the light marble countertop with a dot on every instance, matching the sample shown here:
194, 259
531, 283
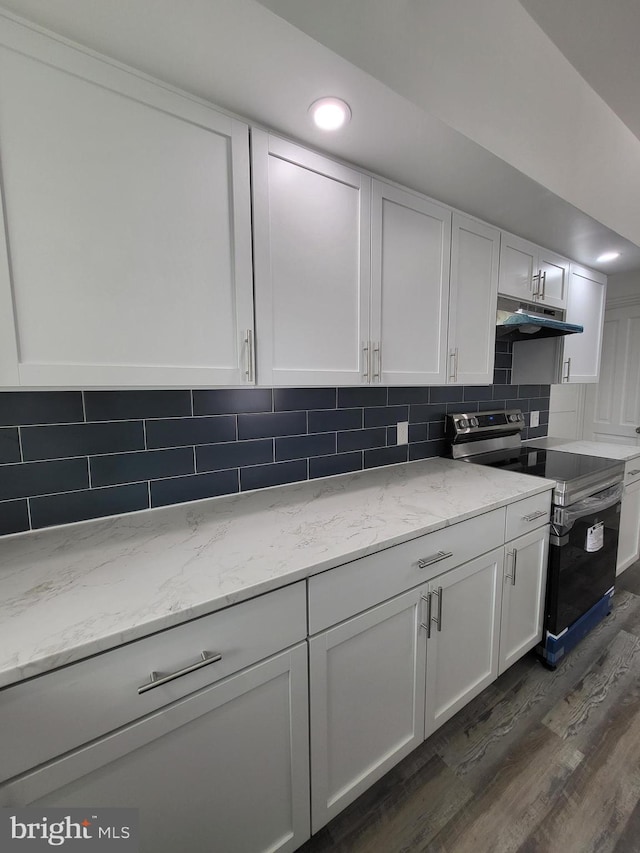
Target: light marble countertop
72, 591
601, 449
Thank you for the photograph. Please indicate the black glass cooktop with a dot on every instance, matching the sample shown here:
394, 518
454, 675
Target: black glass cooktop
552, 464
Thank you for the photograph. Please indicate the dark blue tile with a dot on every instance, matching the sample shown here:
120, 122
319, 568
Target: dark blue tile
545, 390
541, 403
270, 425
528, 391
436, 431
491, 405
537, 432
424, 414
501, 377
57, 442
427, 449
409, 395
523, 405
334, 420
93, 503
180, 432
341, 463
502, 346
385, 415
262, 476
504, 392
351, 398
362, 439
9, 445
392, 435
385, 456
478, 392
14, 517
304, 446
446, 394
194, 487
130, 405
418, 432
40, 407
145, 465
234, 454
42, 478
456, 408
503, 360
229, 401
296, 399
544, 418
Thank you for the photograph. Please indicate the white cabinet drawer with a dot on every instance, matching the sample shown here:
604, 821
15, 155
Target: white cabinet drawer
527, 514
50, 714
632, 472
342, 592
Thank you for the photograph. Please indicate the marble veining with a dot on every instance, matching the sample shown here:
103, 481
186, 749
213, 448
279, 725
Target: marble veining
72, 591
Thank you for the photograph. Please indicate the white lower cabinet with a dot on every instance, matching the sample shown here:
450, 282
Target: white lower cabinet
629, 536
523, 595
463, 642
367, 701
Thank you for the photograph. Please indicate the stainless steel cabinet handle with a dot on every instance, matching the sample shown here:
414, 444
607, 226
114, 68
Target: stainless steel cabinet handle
377, 361
366, 357
452, 365
434, 558
156, 679
249, 345
438, 618
544, 283
427, 626
633, 473
533, 515
535, 284
565, 378
514, 555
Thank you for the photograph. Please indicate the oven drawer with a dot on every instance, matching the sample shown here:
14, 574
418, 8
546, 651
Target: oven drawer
342, 592
527, 514
59, 711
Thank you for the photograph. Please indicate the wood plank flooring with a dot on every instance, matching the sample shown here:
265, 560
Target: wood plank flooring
541, 762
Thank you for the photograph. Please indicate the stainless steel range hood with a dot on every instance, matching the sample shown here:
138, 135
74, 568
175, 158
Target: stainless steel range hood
520, 321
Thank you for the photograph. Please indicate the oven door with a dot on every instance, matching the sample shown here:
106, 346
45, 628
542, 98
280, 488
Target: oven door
582, 557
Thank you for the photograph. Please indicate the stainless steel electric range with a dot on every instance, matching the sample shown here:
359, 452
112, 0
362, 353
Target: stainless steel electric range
585, 519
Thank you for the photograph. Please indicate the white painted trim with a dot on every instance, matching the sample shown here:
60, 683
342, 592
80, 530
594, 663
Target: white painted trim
8, 339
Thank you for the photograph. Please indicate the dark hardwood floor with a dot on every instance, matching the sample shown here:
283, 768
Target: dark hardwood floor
540, 762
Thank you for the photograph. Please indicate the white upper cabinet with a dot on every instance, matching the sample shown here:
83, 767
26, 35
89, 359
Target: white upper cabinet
127, 209
410, 239
532, 274
312, 266
473, 295
585, 306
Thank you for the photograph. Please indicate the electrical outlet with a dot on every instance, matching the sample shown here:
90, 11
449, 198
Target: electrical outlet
403, 432
534, 419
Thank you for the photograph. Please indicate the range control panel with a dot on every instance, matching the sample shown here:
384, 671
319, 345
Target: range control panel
500, 422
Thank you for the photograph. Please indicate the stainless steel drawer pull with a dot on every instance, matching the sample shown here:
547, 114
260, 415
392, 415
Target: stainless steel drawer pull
533, 515
434, 558
156, 679
633, 473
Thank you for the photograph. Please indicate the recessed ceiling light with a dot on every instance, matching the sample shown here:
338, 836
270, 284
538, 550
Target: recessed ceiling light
607, 256
330, 113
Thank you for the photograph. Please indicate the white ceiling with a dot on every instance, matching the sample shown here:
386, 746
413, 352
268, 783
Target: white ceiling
601, 39
240, 55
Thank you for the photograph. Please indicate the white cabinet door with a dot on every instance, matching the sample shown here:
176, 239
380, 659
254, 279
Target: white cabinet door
462, 650
128, 223
525, 575
613, 405
312, 266
473, 296
553, 281
224, 769
585, 305
532, 274
518, 265
629, 537
367, 701
411, 241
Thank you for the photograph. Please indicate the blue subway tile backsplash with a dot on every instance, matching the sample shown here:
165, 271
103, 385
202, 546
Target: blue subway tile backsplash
68, 456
